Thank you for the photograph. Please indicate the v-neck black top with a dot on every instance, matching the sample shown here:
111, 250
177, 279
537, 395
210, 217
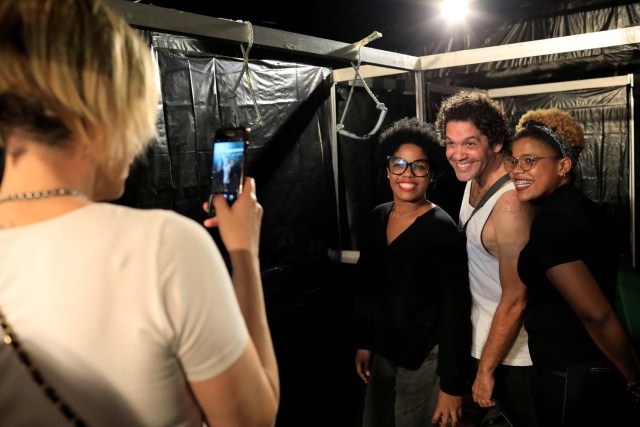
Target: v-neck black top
568, 227
414, 294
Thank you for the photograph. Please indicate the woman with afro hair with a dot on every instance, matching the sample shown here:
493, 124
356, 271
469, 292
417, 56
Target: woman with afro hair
412, 328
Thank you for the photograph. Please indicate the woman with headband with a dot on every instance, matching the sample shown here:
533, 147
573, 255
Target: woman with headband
582, 356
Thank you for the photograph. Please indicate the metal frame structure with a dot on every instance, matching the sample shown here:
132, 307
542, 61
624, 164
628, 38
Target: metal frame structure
177, 22
379, 63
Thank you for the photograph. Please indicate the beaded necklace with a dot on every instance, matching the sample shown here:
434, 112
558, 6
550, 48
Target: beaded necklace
42, 194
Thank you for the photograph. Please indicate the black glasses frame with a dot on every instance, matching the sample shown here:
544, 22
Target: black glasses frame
525, 161
413, 164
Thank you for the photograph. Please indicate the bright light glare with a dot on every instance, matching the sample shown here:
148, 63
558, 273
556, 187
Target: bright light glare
454, 10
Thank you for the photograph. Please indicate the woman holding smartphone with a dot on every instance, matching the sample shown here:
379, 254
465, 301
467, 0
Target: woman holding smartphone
113, 316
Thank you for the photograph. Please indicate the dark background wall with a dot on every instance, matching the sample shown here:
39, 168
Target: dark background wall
308, 296
314, 206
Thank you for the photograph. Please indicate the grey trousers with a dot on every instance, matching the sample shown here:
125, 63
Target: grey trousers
401, 397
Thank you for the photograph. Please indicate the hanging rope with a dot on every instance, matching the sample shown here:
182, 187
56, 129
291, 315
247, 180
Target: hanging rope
379, 105
245, 72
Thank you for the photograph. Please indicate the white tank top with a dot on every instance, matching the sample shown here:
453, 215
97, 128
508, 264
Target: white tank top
484, 279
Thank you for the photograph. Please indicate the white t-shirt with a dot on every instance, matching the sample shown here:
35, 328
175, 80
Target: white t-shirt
484, 279
118, 308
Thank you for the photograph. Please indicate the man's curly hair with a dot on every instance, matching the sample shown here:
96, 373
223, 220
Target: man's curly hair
564, 125
410, 130
475, 106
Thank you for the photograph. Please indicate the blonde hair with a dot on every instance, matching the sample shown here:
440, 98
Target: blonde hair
74, 68
561, 122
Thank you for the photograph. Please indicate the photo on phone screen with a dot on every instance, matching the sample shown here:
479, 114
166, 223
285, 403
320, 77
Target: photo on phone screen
227, 166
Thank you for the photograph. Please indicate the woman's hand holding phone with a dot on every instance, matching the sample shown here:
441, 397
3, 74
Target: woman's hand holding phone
228, 160
239, 224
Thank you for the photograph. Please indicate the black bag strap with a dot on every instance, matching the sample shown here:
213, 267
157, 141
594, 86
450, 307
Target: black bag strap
490, 192
9, 337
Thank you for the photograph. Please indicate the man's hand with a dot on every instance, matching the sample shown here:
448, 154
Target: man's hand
483, 389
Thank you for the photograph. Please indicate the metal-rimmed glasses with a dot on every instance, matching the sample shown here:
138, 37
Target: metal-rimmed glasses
526, 161
397, 166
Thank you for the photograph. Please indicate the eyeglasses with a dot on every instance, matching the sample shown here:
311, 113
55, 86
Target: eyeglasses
526, 162
397, 166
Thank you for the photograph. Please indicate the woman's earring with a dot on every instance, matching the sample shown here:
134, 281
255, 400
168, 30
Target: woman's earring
562, 175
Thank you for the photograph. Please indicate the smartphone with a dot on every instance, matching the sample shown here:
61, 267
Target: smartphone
229, 151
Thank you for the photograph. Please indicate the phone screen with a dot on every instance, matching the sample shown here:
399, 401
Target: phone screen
228, 163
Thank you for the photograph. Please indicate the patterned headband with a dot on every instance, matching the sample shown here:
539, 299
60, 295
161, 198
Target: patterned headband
571, 152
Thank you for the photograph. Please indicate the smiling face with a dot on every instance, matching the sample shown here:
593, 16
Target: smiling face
468, 150
408, 187
546, 174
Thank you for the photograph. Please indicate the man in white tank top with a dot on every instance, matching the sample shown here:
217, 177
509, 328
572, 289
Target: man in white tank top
475, 132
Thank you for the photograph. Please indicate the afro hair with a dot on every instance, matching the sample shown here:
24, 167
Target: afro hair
561, 122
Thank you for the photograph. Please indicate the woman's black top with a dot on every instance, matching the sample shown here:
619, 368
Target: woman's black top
569, 227
414, 294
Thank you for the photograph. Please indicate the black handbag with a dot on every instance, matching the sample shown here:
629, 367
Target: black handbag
10, 338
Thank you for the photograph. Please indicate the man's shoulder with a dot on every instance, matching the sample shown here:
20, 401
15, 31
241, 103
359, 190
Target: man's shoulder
508, 199
509, 213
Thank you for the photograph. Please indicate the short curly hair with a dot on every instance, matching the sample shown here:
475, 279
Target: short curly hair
410, 130
475, 106
561, 122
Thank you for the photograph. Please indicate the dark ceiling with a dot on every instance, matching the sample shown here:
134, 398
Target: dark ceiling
406, 25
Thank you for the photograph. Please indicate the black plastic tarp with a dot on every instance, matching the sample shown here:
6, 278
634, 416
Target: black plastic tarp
603, 167
289, 153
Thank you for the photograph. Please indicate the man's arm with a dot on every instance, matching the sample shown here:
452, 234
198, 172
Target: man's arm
507, 233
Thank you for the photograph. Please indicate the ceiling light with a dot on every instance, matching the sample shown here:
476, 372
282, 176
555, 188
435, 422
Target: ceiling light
454, 10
